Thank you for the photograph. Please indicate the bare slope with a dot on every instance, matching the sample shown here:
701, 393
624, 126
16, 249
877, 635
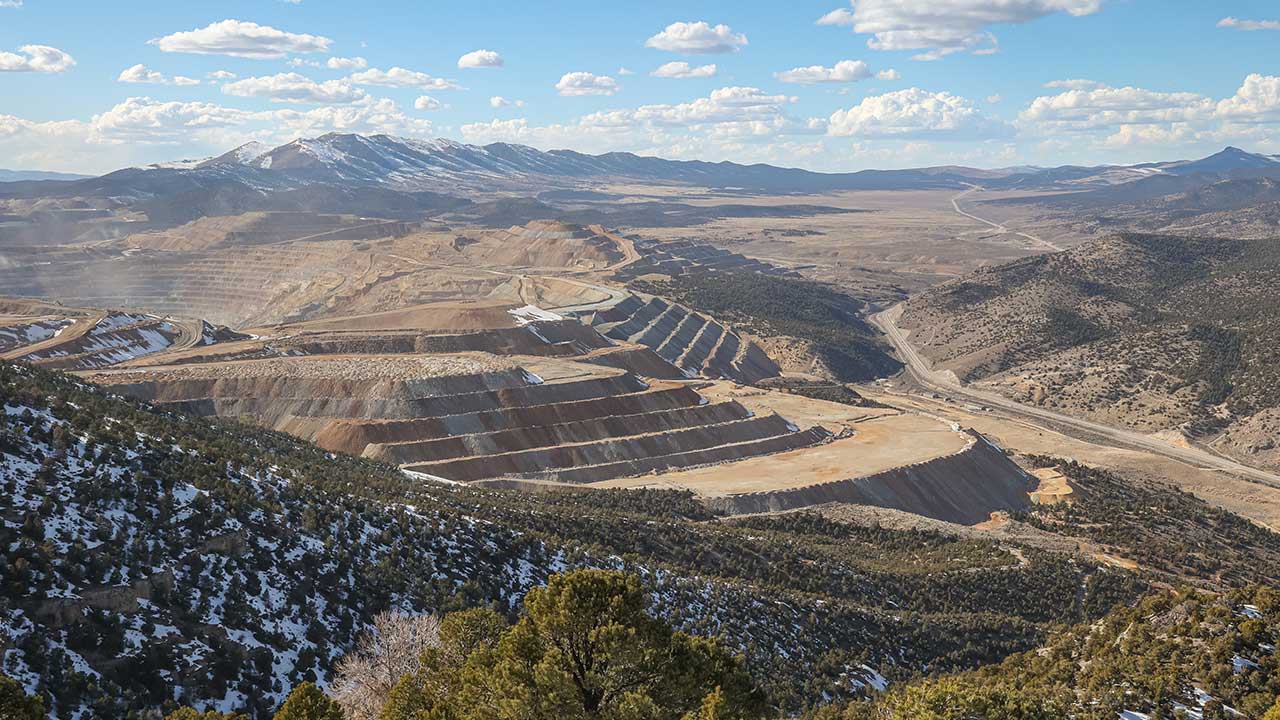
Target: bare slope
1152, 332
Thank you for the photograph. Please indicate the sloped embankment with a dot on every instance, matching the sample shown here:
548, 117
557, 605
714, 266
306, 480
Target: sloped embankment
965, 487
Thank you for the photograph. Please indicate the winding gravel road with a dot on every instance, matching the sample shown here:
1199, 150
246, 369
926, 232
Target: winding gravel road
946, 382
955, 203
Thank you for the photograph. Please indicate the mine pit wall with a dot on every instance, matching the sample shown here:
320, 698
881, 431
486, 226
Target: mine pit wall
608, 452
584, 431
280, 412
963, 488
353, 436
510, 341
684, 460
284, 388
636, 360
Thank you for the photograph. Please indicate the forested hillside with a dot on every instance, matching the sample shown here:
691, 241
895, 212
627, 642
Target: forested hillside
1177, 654
154, 559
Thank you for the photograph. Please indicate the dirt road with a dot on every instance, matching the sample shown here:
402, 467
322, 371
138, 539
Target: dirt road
946, 382
955, 203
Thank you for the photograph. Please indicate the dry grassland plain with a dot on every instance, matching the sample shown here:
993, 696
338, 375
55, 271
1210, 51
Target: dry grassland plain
903, 239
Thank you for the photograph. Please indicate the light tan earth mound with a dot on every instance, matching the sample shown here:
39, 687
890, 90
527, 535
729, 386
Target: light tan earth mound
1053, 487
539, 244
880, 457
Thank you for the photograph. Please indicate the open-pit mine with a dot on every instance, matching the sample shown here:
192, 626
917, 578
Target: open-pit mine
514, 357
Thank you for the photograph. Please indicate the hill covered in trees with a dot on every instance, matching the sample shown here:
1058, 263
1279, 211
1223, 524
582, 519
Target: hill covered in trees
154, 559
1176, 654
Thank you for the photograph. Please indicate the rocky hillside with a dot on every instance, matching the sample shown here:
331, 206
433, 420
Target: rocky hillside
806, 326
1176, 655
1230, 194
154, 557
1158, 333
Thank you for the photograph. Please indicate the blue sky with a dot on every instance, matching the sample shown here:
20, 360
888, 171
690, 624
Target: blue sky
829, 85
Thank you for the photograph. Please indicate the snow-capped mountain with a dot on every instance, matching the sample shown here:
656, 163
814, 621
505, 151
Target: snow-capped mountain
405, 165
443, 165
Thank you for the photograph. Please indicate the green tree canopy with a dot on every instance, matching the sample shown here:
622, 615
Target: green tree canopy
585, 649
964, 699
1274, 712
427, 692
190, 713
307, 702
15, 704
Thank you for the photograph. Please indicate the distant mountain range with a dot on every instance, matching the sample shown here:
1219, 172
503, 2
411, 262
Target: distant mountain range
23, 175
405, 165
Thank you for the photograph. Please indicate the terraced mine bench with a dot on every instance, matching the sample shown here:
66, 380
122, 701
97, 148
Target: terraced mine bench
697, 344
474, 416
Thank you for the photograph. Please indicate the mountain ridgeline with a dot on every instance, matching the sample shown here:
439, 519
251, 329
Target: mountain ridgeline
413, 165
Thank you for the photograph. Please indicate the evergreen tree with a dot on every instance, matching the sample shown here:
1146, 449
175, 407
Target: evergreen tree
587, 648
15, 704
190, 713
1274, 712
307, 702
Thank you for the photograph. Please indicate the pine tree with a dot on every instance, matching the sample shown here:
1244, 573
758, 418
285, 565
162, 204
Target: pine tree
1274, 712
15, 704
190, 713
587, 648
307, 702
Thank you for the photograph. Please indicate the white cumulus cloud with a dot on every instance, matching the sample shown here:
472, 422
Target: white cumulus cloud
142, 74
1257, 101
36, 58
222, 75
1100, 106
941, 27
345, 63
697, 38
916, 113
585, 83
292, 87
480, 59
840, 17
843, 71
399, 77
497, 101
428, 103
141, 119
239, 38
680, 69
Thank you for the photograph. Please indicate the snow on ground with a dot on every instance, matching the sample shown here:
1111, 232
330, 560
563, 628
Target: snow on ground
116, 338
532, 313
16, 336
